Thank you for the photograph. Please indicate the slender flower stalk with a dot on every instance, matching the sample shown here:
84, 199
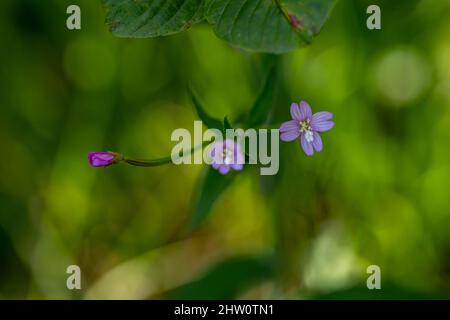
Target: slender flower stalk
148, 163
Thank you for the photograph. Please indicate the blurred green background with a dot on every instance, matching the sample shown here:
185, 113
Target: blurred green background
377, 194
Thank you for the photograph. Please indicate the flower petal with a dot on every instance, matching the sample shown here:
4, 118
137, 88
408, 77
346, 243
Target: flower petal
239, 158
321, 125
224, 169
322, 116
305, 110
295, 112
229, 144
291, 125
105, 156
289, 135
101, 159
307, 147
317, 142
237, 167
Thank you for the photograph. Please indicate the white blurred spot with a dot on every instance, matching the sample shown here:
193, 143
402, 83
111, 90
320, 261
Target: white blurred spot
401, 76
332, 262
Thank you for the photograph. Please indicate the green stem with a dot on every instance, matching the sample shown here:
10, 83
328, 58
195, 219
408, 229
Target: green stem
160, 161
148, 163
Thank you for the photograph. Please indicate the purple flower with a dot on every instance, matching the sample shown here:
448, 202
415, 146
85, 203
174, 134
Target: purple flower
227, 155
103, 159
306, 127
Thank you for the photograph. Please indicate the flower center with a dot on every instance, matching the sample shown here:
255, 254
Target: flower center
304, 125
305, 128
227, 156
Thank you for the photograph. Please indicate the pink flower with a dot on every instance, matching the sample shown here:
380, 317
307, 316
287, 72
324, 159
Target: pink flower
102, 159
227, 155
306, 127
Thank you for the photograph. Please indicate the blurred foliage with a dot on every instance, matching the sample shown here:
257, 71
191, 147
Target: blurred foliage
227, 279
377, 194
388, 292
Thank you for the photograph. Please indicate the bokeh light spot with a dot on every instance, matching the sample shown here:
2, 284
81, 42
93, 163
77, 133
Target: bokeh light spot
401, 76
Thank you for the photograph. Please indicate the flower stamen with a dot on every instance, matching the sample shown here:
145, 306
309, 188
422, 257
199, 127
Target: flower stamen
227, 156
305, 125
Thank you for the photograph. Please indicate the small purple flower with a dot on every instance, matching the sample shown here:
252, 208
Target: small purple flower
103, 159
227, 155
306, 127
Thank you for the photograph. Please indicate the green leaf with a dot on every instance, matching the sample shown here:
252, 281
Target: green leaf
227, 279
211, 186
263, 104
226, 124
275, 26
151, 18
208, 121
